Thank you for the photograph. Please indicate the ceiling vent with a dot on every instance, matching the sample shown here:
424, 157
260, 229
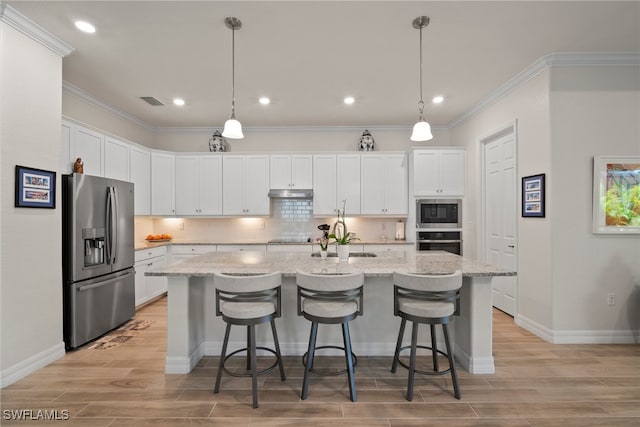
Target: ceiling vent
151, 100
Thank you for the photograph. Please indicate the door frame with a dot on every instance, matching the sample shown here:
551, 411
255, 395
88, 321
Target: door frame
481, 247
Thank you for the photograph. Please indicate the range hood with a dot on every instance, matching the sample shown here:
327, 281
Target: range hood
288, 193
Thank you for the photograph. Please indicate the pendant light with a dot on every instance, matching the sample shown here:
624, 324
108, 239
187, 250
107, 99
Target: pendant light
422, 129
232, 127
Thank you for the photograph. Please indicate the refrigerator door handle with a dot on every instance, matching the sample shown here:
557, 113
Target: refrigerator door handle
105, 283
112, 225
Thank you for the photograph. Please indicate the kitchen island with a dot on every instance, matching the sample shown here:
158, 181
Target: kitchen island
194, 330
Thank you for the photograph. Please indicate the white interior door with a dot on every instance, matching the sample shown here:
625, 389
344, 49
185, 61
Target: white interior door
501, 216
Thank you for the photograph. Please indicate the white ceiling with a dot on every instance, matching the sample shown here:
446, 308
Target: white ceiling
308, 55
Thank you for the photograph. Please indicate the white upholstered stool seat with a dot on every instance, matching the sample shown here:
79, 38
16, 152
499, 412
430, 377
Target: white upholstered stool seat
429, 299
248, 300
329, 299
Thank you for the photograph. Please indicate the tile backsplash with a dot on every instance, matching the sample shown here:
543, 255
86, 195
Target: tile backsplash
290, 219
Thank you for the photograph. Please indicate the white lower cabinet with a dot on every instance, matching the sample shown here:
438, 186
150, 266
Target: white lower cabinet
292, 248
242, 248
149, 287
182, 252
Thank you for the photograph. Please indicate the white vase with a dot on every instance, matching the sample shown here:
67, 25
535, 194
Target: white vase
343, 252
323, 253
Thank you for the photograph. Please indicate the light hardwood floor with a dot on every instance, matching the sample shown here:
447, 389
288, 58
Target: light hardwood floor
535, 384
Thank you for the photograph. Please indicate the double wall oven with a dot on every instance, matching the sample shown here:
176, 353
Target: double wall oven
439, 225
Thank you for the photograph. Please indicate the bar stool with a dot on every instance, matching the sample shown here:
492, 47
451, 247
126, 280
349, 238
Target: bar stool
329, 299
429, 299
248, 300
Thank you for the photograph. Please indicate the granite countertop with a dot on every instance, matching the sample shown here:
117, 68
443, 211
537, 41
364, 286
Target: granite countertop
146, 245
384, 264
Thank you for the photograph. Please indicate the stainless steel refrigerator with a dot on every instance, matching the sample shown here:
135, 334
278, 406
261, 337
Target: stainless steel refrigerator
98, 256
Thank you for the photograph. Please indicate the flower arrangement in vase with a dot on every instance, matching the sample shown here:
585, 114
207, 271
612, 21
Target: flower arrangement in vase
341, 235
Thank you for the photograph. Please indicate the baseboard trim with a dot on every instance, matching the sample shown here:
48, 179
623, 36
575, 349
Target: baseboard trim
474, 365
579, 337
31, 364
184, 365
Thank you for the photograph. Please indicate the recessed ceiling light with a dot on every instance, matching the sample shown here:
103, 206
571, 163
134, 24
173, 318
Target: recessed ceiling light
264, 100
178, 101
85, 27
349, 100
438, 99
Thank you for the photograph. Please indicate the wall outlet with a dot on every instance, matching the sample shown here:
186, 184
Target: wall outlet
181, 226
611, 299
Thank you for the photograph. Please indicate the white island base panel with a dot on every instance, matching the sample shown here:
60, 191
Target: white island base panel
194, 331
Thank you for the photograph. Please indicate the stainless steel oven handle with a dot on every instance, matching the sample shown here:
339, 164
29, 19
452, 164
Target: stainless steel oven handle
439, 241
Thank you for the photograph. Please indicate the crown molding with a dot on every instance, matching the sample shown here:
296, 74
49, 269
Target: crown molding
293, 129
86, 96
561, 59
15, 19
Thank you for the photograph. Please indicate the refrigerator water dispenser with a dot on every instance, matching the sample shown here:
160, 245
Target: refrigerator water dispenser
93, 246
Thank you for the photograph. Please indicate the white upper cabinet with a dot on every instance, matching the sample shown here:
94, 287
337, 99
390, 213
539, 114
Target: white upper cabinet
116, 159
438, 172
199, 185
89, 146
291, 171
336, 178
384, 180
324, 184
349, 188
162, 184
140, 175
245, 183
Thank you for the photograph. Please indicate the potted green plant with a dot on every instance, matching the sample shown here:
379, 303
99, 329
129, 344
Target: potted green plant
341, 235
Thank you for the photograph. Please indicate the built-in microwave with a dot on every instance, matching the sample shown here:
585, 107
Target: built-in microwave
439, 213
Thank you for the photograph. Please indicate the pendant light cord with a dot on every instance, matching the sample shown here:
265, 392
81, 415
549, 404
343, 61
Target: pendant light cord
420, 101
233, 73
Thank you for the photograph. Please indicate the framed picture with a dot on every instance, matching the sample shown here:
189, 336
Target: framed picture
35, 188
533, 196
616, 194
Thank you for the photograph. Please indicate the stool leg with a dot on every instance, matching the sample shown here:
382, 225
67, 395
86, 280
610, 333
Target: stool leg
396, 355
412, 361
222, 356
310, 354
248, 347
277, 346
346, 337
434, 348
454, 376
254, 370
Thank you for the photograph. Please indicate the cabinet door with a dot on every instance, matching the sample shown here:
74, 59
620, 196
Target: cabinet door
426, 175
233, 185
156, 285
452, 173
372, 184
280, 171
348, 182
396, 191
324, 184
301, 171
141, 282
186, 185
140, 175
65, 147
88, 145
257, 188
116, 159
162, 184
210, 185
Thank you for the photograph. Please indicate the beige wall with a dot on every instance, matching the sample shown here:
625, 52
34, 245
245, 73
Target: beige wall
31, 276
594, 111
529, 105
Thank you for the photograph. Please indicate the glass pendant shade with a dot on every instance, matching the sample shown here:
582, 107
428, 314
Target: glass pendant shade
232, 129
421, 131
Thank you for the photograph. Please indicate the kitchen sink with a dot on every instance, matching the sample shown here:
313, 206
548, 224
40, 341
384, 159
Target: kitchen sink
351, 254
